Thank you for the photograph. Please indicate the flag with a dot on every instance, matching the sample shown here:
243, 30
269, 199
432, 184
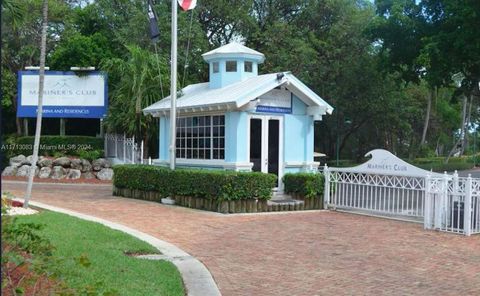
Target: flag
187, 4
154, 32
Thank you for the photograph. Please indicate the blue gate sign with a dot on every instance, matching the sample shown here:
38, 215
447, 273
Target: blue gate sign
275, 101
65, 94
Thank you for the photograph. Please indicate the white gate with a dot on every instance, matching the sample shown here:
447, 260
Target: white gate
385, 195
390, 187
123, 149
454, 204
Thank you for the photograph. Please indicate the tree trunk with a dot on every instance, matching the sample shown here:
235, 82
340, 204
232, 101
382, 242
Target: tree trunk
18, 122
467, 125
427, 117
41, 84
460, 140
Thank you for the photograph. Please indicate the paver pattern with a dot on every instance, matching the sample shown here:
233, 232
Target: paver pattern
297, 253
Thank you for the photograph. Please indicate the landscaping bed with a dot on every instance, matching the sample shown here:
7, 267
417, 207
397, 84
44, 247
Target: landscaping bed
83, 258
218, 191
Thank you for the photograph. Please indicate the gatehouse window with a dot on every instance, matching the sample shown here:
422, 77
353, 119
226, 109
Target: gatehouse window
231, 66
248, 67
201, 137
215, 67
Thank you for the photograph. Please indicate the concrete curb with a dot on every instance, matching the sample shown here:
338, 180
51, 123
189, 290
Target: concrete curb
196, 277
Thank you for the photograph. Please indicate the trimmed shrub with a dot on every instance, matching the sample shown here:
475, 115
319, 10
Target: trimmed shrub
437, 164
308, 185
53, 145
210, 184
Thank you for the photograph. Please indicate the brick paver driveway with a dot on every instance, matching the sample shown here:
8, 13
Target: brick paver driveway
310, 253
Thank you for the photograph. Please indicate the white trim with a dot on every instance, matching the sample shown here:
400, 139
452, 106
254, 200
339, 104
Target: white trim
264, 161
208, 163
306, 165
201, 97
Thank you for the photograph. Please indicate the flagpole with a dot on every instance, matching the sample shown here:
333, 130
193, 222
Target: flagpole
173, 86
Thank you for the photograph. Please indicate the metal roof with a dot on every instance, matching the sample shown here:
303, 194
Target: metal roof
236, 95
234, 49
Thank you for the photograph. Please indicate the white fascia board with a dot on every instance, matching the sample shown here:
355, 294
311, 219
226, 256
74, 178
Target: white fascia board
219, 56
245, 99
200, 109
305, 93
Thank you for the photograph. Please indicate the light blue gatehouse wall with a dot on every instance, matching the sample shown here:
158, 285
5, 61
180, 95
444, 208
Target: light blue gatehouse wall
298, 135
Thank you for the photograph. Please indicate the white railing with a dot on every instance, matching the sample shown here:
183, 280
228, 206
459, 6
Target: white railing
454, 204
387, 186
447, 203
124, 150
385, 195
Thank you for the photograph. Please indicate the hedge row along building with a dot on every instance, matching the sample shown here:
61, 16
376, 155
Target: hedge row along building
240, 120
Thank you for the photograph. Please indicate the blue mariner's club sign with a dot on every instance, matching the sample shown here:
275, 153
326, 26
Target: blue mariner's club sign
65, 95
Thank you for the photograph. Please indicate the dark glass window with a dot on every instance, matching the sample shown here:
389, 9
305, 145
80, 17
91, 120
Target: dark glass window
248, 67
231, 66
201, 137
215, 67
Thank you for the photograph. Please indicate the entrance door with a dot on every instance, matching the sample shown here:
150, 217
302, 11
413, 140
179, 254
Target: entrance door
266, 144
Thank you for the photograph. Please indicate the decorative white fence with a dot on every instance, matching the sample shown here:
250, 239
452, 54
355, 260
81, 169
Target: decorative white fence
395, 196
454, 203
387, 186
123, 149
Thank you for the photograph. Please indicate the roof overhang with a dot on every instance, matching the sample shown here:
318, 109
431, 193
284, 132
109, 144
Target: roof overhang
316, 105
213, 108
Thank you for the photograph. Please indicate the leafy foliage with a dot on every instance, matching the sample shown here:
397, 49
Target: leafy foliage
384, 66
308, 185
210, 184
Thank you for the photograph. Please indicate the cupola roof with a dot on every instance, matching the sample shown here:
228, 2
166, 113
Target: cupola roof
234, 50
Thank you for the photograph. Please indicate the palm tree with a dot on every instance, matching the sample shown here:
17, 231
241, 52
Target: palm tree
15, 9
136, 82
38, 130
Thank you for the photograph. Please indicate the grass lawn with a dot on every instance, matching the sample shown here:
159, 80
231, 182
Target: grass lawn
106, 264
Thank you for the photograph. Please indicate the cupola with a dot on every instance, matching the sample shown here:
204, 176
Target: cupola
232, 63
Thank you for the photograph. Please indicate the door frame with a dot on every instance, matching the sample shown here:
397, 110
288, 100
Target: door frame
264, 162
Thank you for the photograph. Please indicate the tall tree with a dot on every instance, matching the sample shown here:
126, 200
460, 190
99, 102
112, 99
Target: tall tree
137, 86
41, 84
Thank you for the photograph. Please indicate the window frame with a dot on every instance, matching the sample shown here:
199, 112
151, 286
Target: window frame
217, 64
230, 62
245, 66
190, 136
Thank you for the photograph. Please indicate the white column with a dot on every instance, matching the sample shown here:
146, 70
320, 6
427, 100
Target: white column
124, 147
173, 87
427, 224
133, 149
326, 188
141, 152
116, 146
467, 211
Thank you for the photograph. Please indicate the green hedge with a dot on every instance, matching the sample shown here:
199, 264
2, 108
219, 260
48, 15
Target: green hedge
305, 184
53, 145
438, 164
211, 184
448, 167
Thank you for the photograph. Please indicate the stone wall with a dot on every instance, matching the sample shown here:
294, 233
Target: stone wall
60, 168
